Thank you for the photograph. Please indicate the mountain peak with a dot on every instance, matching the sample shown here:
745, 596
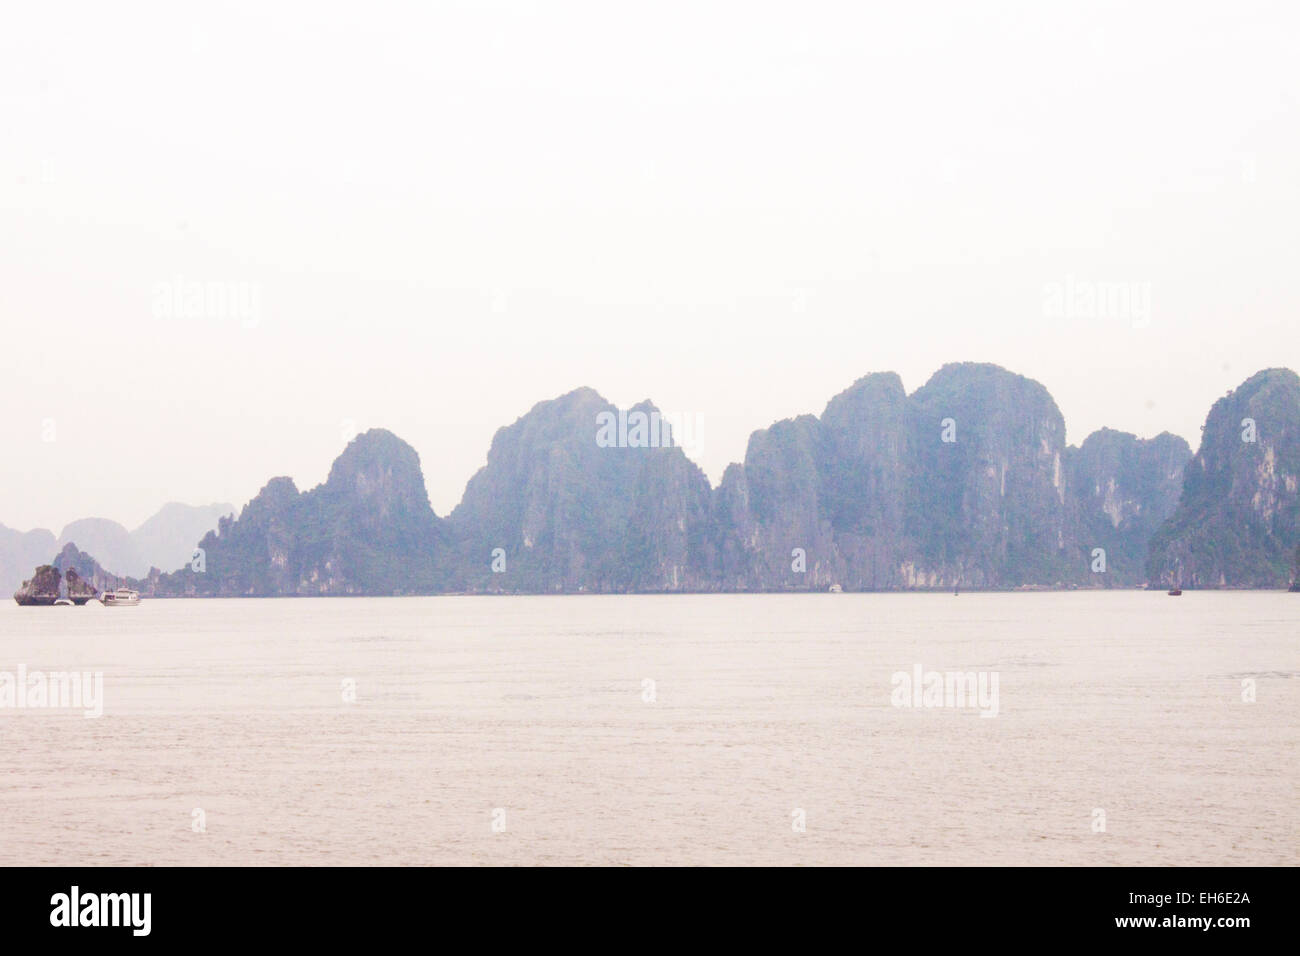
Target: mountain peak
374, 459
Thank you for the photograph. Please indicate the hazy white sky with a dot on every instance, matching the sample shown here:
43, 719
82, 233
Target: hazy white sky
450, 211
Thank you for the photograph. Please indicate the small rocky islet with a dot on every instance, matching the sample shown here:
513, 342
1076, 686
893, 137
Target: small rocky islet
74, 575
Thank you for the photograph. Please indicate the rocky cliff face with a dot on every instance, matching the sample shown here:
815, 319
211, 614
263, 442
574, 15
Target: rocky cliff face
578, 496
1237, 523
84, 577
371, 521
968, 482
961, 484
986, 494
1123, 488
819, 501
368, 529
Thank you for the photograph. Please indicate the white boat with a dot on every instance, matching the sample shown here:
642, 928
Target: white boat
836, 589
122, 597
63, 602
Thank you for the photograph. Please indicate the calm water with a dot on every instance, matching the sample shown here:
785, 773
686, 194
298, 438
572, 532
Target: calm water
1130, 703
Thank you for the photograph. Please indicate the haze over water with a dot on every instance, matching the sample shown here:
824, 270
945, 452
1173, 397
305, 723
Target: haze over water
1127, 702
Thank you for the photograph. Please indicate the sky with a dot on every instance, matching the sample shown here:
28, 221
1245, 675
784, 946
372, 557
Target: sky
233, 235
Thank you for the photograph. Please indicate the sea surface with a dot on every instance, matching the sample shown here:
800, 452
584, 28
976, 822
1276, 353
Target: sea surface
711, 729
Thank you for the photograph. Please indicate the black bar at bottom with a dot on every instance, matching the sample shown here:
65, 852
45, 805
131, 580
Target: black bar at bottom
948, 906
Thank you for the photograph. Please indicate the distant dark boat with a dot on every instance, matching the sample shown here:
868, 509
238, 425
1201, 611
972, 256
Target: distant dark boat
1175, 592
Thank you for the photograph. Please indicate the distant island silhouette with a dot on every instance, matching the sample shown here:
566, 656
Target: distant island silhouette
966, 483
